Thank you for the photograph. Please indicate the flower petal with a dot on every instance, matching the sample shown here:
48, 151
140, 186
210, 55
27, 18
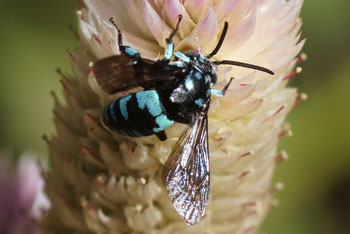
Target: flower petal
203, 36
171, 11
155, 23
197, 8
225, 8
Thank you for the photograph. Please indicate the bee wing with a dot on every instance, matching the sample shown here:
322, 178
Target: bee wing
121, 72
186, 171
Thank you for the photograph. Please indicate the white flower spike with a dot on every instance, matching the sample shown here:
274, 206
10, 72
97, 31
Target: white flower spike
103, 182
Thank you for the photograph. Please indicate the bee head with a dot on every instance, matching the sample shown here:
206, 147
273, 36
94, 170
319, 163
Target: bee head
202, 64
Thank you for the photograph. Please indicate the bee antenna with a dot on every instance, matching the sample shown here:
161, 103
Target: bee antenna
221, 40
120, 37
247, 65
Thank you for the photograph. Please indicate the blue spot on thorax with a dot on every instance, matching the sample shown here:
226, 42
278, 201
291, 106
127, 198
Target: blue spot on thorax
198, 75
123, 106
208, 92
189, 82
130, 51
199, 101
149, 99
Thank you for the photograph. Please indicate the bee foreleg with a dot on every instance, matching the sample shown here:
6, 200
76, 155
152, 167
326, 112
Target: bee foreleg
220, 93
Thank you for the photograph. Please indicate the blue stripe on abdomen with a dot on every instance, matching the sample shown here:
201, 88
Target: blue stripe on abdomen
149, 99
163, 123
123, 106
137, 114
112, 111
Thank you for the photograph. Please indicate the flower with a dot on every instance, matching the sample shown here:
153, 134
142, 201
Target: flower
106, 183
22, 199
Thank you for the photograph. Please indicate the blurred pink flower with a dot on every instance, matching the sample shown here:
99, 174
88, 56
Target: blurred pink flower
22, 200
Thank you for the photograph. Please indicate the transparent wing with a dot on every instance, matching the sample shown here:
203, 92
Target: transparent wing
186, 171
120, 72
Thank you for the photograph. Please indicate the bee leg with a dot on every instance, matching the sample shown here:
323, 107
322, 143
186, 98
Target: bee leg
226, 86
161, 135
220, 93
169, 48
127, 50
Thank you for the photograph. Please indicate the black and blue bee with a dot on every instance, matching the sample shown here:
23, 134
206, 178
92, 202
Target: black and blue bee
175, 90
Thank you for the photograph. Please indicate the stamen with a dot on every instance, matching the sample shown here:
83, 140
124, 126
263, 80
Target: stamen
246, 154
138, 207
260, 100
61, 120
283, 156
92, 117
244, 174
75, 33
71, 54
89, 150
276, 113
219, 139
279, 110
279, 186
101, 181
67, 158
248, 204
79, 13
89, 207
81, 3
298, 70
299, 99
251, 152
58, 70
285, 133
65, 87
301, 58
98, 39
91, 67
46, 139
143, 181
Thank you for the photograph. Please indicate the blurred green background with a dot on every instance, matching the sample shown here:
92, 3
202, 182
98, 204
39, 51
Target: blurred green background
316, 197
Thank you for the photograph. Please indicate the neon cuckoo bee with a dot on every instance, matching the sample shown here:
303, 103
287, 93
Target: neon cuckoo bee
174, 90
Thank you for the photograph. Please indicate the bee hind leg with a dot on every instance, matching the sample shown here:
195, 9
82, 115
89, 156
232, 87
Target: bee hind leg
161, 135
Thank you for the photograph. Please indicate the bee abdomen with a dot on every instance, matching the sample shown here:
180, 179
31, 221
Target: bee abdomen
137, 114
